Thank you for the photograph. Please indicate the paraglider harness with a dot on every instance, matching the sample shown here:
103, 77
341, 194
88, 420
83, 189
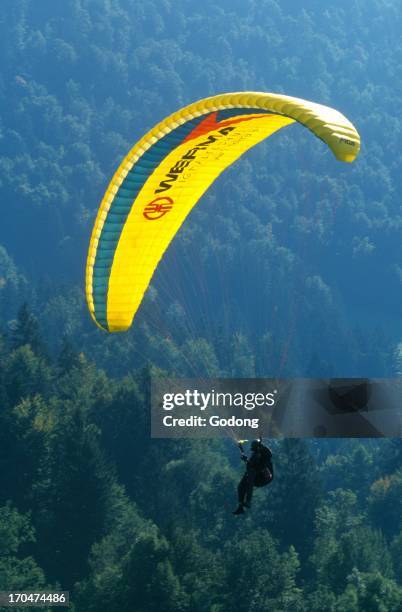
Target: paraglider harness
261, 460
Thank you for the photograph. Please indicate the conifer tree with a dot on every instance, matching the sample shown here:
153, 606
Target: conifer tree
294, 496
27, 332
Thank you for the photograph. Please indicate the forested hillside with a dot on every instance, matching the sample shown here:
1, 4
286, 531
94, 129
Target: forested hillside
290, 265
289, 248
89, 503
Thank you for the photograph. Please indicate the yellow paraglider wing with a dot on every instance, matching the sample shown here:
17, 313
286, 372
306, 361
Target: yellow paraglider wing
166, 173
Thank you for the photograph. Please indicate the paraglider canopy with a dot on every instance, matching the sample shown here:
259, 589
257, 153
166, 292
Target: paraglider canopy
166, 173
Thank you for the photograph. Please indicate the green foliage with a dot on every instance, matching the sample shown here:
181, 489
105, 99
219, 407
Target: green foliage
262, 578
353, 469
118, 518
26, 374
18, 572
294, 496
371, 592
385, 503
26, 331
110, 554
71, 495
13, 285
149, 577
284, 246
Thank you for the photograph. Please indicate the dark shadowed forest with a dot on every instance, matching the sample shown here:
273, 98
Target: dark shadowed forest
289, 266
